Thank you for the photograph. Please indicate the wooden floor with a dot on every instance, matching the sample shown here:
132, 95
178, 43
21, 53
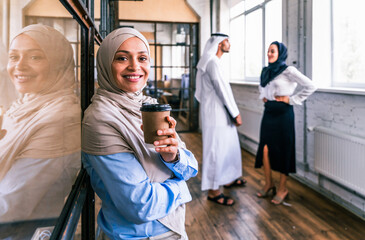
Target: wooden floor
310, 216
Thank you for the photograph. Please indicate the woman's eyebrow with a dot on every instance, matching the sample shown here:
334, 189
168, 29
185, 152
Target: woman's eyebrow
125, 51
28, 50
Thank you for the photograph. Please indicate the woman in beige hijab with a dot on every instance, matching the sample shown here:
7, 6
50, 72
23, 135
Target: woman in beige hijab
40, 149
143, 190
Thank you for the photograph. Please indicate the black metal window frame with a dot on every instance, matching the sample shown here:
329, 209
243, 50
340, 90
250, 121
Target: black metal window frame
81, 201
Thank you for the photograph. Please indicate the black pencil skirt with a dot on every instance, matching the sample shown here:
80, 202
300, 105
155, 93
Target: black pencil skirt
278, 133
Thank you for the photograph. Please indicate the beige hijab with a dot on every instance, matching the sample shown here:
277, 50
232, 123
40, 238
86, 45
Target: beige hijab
112, 122
45, 124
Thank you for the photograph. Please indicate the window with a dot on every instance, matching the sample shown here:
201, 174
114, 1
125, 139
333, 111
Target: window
254, 25
237, 48
338, 48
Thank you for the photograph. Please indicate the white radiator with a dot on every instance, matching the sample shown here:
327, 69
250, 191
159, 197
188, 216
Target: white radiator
251, 119
340, 157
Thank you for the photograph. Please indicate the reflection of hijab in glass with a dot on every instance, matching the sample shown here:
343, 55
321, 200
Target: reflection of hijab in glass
274, 69
44, 124
7, 89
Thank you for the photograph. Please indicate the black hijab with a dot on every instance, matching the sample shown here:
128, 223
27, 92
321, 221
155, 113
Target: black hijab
274, 69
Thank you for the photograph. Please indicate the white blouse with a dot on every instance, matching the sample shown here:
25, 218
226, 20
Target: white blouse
285, 84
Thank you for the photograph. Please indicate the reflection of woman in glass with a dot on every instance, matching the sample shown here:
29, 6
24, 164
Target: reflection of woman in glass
40, 152
143, 190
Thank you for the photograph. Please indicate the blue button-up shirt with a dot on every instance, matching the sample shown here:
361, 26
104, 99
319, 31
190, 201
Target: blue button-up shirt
131, 203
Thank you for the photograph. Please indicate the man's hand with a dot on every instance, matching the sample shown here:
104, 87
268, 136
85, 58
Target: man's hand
238, 120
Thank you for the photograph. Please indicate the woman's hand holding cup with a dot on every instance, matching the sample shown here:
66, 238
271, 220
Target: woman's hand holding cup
159, 130
168, 147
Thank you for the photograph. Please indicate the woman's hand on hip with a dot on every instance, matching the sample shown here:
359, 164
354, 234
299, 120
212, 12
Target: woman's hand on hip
168, 147
282, 99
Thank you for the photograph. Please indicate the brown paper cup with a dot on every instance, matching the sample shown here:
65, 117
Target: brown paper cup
153, 119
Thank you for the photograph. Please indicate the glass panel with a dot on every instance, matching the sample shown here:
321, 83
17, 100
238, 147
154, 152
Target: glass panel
237, 59
195, 56
182, 34
321, 50
348, 42
273, 23
195, 34
252, 3
40, 136
166, 33
147, 29
237, 9
253, 48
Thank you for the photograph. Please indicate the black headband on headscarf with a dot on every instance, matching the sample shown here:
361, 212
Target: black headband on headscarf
274, 69
218, 35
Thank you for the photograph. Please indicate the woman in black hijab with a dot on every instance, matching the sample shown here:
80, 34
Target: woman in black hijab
276, 149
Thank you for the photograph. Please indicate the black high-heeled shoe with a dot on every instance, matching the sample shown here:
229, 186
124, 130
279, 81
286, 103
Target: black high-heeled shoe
263, 194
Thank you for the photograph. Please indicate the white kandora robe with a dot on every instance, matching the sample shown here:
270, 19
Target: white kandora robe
221, 147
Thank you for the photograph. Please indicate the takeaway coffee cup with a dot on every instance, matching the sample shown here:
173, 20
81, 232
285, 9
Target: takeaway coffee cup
153, 119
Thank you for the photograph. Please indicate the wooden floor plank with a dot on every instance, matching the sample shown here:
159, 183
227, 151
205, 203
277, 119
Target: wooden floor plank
310, 216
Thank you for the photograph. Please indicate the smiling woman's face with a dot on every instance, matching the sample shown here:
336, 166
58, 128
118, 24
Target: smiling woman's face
28, 65
131, 65
273, 53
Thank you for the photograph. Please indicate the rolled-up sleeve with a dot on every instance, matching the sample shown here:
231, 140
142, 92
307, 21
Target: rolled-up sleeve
186, 167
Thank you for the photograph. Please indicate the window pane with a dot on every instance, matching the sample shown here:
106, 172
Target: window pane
164, 33
252, 3
253, 46
348, 48
237, 9
146, 29
273, 23
321, 69
237, 48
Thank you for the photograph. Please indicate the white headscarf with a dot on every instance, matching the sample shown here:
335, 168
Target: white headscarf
45, 124
210, 50
112, 122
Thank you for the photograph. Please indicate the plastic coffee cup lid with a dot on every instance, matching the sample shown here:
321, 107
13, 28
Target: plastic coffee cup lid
147, 107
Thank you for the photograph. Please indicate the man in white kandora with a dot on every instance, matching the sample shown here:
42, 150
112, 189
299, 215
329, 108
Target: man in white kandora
219, 118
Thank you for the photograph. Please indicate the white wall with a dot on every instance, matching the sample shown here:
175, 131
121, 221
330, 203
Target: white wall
202, 8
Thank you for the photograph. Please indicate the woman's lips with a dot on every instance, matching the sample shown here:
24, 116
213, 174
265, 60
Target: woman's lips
133, 78
23, 78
